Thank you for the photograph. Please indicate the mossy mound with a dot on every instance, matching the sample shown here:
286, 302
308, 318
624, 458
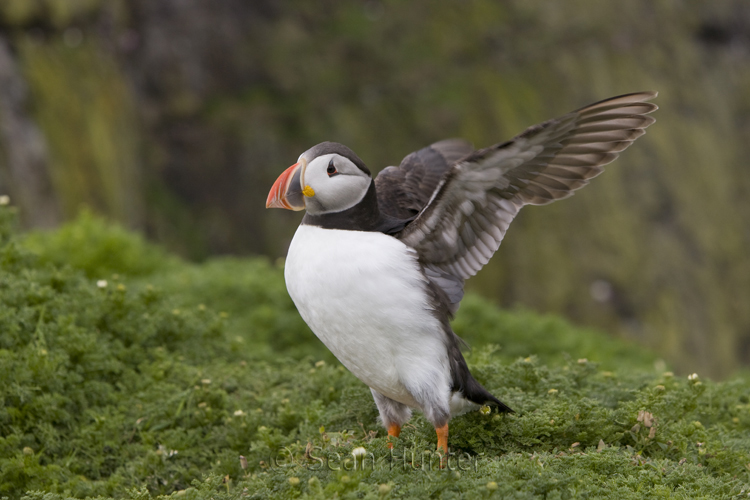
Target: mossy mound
155, 381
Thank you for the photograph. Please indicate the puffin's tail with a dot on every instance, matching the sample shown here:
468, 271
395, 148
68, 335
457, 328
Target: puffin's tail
465, 383
476, 393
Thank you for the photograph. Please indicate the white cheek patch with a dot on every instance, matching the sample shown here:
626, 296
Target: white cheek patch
351, 192
334, 193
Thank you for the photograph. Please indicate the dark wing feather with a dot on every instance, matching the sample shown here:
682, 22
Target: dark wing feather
465, 219
404, 191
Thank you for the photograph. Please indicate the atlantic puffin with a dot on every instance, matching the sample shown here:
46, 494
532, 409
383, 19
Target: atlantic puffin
377, 266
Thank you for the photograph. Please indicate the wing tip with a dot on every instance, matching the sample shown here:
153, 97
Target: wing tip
624, 99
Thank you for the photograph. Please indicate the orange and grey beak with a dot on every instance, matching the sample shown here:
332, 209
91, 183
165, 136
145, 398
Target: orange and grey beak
287, 190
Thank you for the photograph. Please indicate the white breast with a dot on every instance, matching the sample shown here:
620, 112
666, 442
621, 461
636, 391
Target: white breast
363, 295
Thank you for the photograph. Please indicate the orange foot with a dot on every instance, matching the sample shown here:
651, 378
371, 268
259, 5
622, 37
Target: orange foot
394, 430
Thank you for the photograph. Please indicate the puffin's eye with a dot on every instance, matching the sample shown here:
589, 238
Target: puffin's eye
331, 170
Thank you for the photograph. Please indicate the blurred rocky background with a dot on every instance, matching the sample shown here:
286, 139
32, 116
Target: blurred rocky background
174, 117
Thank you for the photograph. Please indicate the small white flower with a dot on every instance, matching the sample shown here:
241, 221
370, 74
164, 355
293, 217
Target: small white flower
239, 413
101, 283
694, 376
358, 452
4, 199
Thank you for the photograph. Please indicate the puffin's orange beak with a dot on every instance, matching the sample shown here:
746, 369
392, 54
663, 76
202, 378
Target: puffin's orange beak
287, 190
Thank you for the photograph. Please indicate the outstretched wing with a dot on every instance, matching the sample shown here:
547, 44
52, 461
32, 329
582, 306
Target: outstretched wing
465, 219
404, 191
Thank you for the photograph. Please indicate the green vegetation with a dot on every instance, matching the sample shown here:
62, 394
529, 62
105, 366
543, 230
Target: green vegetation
88, 115
129, 373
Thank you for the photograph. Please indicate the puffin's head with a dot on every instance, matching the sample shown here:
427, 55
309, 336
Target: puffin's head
327, 178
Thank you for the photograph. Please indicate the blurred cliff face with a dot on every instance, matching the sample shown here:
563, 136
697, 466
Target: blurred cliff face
174, 117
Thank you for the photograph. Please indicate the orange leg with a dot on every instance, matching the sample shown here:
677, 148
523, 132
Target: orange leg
442, 444
442, 437
394, 430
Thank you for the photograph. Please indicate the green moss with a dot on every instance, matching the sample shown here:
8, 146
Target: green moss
135, 389
521, 333
98, 248
252, 296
